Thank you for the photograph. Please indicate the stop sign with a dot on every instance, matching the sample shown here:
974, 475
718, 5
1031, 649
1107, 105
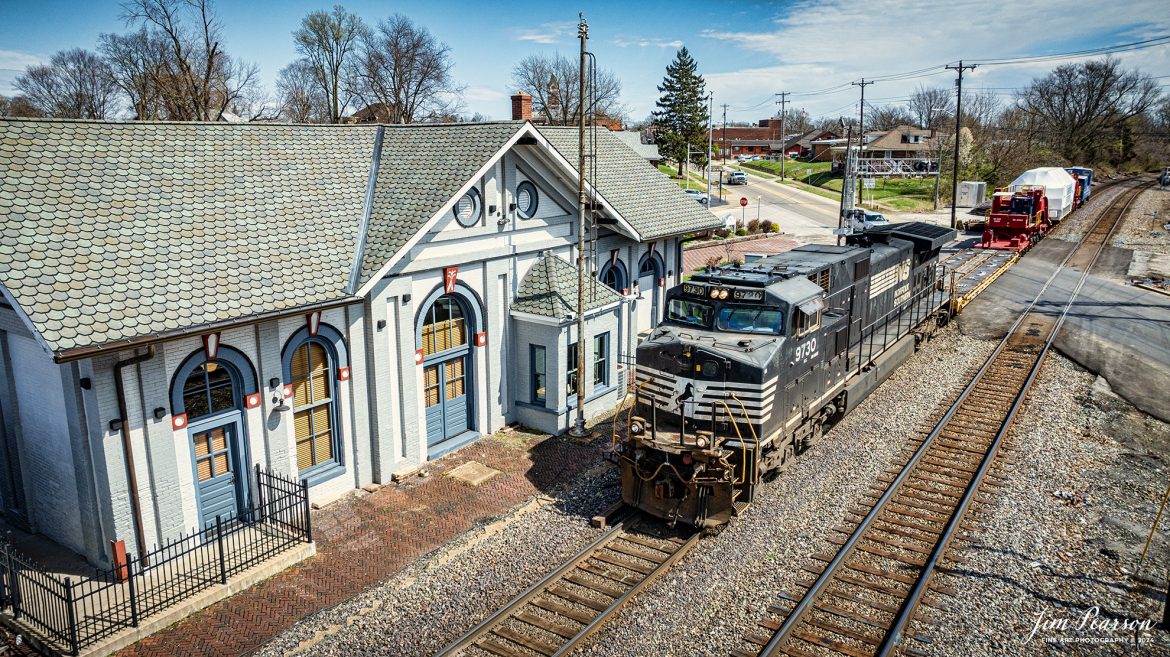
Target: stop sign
743, 201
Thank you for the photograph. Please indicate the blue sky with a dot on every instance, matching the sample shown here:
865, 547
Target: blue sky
747, 50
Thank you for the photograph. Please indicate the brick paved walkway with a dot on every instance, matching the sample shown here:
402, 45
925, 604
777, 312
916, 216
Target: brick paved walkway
362, 541
695, 259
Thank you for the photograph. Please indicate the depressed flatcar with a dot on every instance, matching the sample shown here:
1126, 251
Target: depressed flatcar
754, 361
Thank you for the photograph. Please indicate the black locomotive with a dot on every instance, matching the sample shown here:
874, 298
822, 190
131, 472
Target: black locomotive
752, 362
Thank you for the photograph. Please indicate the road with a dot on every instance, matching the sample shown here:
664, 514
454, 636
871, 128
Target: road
802, 215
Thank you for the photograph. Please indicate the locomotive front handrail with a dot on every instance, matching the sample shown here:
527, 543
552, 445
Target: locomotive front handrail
755, 438
738, 434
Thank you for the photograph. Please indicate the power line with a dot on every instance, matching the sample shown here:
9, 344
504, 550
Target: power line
1103, 50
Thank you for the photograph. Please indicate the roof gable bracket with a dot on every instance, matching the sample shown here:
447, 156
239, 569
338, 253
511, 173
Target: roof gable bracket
359, 250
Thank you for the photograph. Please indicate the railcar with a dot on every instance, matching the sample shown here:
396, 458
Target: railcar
753, 362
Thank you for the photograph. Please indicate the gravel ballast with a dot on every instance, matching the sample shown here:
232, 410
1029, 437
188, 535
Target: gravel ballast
1063, 538
443, 594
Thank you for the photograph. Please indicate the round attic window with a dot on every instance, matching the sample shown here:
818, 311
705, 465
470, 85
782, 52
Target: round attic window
467, 208
527, 199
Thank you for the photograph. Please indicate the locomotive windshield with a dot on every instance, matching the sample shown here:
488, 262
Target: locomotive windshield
750, 319
694, 313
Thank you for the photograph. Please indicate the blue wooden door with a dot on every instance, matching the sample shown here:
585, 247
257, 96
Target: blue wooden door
446, 398
218, 482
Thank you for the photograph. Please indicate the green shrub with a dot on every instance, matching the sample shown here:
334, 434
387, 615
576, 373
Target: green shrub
740, 232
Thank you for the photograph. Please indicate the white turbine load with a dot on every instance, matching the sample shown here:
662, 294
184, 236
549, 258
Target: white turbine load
1059, 187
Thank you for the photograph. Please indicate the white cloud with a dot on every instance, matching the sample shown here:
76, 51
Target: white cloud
485, 95
829, 43
648, 43
12, 64
546, 33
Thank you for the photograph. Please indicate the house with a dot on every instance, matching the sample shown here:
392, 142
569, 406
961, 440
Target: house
183, 302
902, 142
902, 151
801, 146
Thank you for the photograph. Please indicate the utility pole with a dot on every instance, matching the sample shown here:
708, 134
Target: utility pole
724, 147
783, 142
846, 190
710, 128
861, 126
958, 118
579, 429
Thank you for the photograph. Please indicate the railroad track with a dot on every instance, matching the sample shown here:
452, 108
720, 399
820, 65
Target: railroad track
863, 597
554, 615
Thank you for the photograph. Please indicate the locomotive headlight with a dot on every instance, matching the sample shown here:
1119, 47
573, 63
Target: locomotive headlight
722, 294
701, 442
714, 293
636, 428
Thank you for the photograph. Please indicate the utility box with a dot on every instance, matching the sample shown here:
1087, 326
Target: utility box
972, 193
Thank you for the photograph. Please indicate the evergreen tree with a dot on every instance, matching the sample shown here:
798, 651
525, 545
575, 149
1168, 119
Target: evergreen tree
681, 117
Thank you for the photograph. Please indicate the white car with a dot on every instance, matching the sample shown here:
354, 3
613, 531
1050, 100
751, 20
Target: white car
697, 195
863, 219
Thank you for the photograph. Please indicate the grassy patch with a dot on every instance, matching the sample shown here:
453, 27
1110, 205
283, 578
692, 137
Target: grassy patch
697, 181
902, 194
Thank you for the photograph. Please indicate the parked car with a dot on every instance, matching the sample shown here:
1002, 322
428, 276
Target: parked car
741, 158
737, 178
697, 195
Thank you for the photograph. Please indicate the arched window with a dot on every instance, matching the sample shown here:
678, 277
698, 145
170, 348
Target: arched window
613, 274
313, 378
209, 389
444, 327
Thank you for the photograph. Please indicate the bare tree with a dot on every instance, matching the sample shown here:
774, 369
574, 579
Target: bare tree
888, 117
197, 80
136, 60
932, 107
301, 99
327, 40
404, 73
553, 81
17, 106
75, 84
1081, 107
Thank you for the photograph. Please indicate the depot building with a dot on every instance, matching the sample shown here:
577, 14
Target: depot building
186, 302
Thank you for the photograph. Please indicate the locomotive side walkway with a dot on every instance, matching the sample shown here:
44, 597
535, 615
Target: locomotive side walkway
365, 538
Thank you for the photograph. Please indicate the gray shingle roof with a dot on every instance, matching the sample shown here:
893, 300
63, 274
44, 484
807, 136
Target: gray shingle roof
422, 167
650, 201
113, 231
550, 289
633, 139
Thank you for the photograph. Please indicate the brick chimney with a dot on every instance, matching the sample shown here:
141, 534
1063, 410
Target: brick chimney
521, 107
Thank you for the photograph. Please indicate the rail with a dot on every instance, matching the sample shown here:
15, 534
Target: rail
553, 616
913, 520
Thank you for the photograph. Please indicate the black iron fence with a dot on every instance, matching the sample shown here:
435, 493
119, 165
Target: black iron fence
70, 614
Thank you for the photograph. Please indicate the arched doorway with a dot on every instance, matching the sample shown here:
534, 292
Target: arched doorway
444, 340
650, 270
208, 400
